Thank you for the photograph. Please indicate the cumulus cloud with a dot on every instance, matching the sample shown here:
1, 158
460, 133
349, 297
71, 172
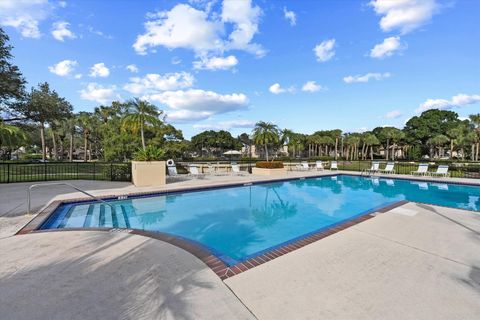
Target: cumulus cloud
394, 114
99, 70
277, 89
226, 125
132, 68
204, 33
324, 50
311, 86
153, 83
24, 15
457, 101
387, 48
196, 104
60, 31
290, 16
98, 93
63, 68
216, 63
367, 77
404, 15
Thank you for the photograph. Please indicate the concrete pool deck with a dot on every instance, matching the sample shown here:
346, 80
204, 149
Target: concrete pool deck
414, 262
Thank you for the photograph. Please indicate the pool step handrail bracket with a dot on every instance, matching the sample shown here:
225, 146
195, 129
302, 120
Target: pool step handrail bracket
29, 191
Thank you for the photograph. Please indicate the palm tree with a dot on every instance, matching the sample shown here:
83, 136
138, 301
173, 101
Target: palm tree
265, 133
140, 115
475, 120
287, 136
337, 134
438, 142
85, 122
370, 140
10, 135
455, 135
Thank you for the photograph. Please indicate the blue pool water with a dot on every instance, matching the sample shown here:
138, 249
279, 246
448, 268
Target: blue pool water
240, 222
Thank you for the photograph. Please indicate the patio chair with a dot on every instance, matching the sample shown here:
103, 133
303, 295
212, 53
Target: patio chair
236, 169
374, 168
305, 166
388, 168
194, 172
319, 165
421, 171
442, 171
333, 165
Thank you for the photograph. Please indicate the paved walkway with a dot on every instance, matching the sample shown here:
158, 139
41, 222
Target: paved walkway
103, 275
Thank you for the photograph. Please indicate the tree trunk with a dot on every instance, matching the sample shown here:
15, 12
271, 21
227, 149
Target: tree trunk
85, 147
476, 151
54, 142
463, 154
70, 151
336, 148
42, 138
451, 149
90, 151
388, 149
62, 150
371, 153
266, 151
143, 138
393, 151
473, 152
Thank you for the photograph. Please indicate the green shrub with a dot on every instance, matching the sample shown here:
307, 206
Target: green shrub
269, 164
151, 153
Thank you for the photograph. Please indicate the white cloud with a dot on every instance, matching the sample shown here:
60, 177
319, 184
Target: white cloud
176, 60
277, 89
132, 68
78, 76
63, 68
387, 48
216, 63
290, 16
457, 101
394, 114
204, 33
99, 93
62, 4
404, 15
152, 83
311, 86
99, 70
60, 31
24, 15
367, 77
226, 125
324, 50
195, 104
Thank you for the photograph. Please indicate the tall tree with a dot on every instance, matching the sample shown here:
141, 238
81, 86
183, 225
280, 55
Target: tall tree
475, 120
12, 83
44, 105
266, 133
140, 115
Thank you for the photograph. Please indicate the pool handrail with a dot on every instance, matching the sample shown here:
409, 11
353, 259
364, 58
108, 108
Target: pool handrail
29, 191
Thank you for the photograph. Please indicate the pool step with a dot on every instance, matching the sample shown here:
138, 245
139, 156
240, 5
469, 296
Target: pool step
102, 216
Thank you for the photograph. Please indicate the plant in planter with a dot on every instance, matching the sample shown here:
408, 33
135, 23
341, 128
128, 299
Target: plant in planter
148, 169
269, 168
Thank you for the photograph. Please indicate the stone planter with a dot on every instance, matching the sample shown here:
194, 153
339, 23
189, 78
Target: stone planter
148, 173
269, 172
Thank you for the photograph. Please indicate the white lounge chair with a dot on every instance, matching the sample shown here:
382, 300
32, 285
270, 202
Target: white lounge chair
421, 171
305, 166
442, 171
374, 168
319, 165
236, 169
388, 168
333, 165
194, 172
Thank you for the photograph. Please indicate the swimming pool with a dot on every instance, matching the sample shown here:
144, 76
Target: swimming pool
237, 223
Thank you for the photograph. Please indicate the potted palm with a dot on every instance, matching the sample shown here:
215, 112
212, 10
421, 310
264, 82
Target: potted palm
148, 167
265, 134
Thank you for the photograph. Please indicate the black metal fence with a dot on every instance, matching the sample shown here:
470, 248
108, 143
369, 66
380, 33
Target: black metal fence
48, 171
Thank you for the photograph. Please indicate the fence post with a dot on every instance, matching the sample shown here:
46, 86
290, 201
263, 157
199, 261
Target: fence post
8, 172
77, 169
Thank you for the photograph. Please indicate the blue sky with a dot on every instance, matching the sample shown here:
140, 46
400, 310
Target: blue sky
304, 65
